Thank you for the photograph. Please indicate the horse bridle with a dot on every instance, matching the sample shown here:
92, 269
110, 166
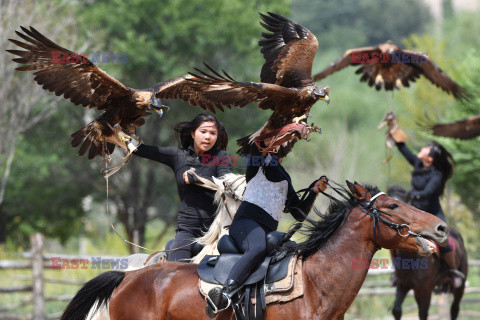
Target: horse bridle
376, 214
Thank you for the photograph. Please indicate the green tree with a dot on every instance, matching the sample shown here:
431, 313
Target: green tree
345, 24
47, 183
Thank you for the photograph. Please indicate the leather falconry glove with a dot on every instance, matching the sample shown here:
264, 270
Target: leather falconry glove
132, 142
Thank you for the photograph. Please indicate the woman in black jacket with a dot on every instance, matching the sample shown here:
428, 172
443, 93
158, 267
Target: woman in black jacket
202, 144
432, 167
268, 193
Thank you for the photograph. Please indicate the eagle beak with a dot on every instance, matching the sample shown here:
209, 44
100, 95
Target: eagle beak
326, 99
157, 106
321, 93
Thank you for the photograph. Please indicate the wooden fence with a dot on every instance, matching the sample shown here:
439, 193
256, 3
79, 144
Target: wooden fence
38, 261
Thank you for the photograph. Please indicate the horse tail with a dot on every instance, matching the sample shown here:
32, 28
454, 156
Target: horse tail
92, 296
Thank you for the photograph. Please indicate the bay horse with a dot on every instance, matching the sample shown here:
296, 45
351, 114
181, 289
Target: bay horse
424, 281
353, 228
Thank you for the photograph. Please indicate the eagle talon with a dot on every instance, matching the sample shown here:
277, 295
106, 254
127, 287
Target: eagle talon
304, 117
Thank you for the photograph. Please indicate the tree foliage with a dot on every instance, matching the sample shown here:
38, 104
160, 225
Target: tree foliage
348, 24
47, 184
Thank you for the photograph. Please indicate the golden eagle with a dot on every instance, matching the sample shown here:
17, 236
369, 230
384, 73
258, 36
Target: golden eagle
389, 67
76, 78
286, 85
463, 129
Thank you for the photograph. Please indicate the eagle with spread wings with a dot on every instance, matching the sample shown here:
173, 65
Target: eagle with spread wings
286, 85
463, 129
78, 79
386, 66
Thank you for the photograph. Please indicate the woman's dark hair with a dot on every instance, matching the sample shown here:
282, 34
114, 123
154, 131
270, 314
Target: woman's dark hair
442, 161
184, 129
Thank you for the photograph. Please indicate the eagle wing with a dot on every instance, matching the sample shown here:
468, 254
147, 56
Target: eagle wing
77, 79
288, 50
216, 91
344, 61
83, 83
436, 75
464, 129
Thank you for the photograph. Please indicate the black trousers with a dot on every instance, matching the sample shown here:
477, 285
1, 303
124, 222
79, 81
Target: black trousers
251, 237
184, 242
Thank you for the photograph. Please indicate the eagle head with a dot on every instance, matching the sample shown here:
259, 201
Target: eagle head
158, 106
321, 93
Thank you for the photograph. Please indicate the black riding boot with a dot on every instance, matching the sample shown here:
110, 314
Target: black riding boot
219, 298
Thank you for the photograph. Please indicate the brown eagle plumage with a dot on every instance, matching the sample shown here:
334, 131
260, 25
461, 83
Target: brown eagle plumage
386, 66
286, 85
78, 79
463, 129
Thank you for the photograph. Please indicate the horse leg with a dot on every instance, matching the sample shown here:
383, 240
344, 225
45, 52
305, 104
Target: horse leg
423, 298
457, 296
401, 292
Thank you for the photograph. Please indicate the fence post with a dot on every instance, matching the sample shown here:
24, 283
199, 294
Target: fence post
36, 241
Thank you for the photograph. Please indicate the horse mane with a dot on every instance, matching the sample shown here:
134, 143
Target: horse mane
319, 231
222, 215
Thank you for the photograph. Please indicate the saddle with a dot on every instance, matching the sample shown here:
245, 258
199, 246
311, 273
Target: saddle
275, 274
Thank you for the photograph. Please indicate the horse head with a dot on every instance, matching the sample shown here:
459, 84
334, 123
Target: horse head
398, 225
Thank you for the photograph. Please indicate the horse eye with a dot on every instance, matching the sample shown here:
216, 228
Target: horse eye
393, 206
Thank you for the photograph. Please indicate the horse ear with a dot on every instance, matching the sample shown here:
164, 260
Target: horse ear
358, 191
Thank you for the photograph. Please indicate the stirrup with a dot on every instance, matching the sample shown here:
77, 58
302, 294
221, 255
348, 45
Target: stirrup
214, 307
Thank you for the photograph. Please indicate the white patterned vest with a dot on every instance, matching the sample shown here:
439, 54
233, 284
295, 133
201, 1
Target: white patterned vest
268, 195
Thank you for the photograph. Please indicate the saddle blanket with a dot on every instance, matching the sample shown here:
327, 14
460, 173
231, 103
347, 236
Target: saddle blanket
287, 289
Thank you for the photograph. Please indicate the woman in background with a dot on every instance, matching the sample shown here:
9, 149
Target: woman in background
432, 167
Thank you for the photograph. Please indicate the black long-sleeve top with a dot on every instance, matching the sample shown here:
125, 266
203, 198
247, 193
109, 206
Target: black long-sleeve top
426, 183
274, 172
196, 203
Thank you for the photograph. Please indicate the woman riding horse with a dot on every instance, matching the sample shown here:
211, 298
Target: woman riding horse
202, 144
432, 167
268, 193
